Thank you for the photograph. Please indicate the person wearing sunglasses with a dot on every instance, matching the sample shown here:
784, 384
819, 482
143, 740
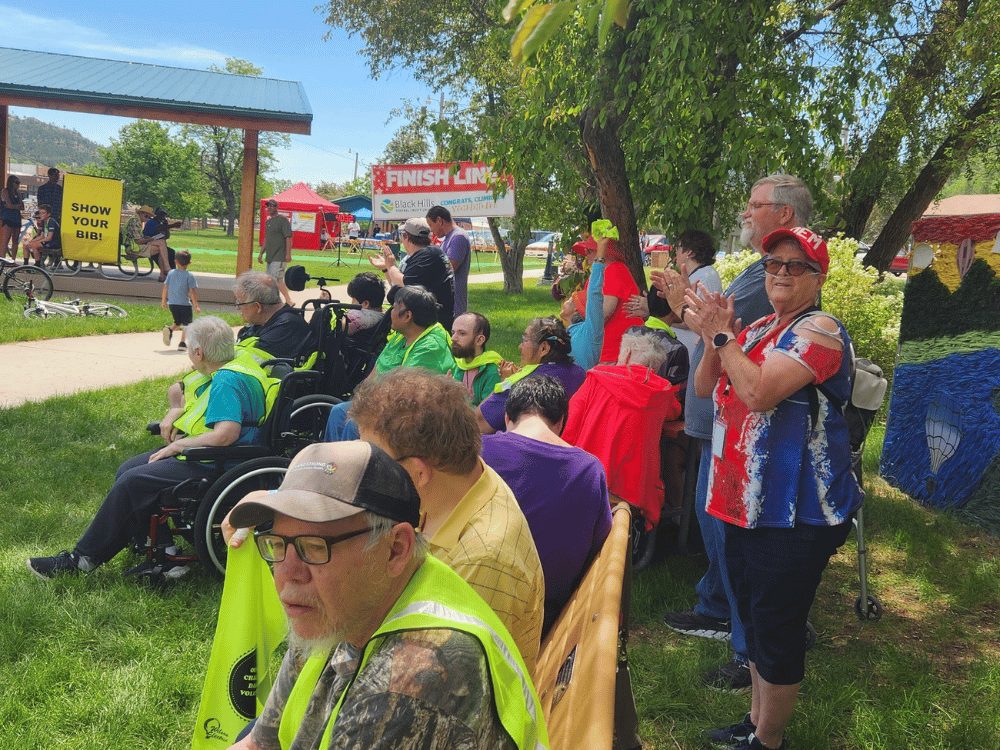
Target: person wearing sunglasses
388, 646
780, 476
775, 201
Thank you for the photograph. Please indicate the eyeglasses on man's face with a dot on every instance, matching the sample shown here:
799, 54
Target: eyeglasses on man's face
312, 549
754, 205
242, 304
773, 266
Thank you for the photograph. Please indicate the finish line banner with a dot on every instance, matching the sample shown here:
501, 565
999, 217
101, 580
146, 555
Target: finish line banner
91, 218
402, 191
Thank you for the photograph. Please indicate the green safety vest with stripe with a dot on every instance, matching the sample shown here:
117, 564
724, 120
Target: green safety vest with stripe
436, 597
192, 420
249, 345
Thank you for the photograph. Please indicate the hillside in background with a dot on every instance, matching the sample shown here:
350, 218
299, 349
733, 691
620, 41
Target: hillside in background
35, 142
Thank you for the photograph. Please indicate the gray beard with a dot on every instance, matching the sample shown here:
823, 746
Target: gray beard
313, 646
746, 235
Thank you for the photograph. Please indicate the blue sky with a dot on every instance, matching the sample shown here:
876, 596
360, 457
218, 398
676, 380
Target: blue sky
285, 39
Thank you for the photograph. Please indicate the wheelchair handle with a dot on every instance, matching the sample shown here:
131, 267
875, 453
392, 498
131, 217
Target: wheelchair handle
153, 428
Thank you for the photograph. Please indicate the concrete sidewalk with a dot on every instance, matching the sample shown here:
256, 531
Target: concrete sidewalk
37, 370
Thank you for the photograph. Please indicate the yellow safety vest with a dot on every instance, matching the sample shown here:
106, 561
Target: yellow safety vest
437, 598
192, 421
249, 345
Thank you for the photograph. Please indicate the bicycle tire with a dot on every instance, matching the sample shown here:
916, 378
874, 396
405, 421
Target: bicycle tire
18, 283
41, 312
103, 310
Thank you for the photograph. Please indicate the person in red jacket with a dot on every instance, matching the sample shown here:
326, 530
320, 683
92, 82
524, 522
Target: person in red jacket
617, 415
619, 286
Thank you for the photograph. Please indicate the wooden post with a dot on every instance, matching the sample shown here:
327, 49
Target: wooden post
4, 141
248, 202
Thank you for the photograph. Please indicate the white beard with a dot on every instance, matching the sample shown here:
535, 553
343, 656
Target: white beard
313, 646
746, 234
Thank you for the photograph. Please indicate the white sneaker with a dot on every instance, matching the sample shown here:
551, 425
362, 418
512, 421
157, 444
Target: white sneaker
177, 571
167, 335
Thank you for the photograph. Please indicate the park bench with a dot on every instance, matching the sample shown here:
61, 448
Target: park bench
582, 671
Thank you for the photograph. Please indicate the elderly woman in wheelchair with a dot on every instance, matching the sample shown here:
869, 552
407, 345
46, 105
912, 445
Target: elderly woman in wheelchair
224, 405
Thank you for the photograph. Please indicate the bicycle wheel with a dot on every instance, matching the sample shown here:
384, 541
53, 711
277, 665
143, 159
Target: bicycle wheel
102, 310
26, 282
35, 313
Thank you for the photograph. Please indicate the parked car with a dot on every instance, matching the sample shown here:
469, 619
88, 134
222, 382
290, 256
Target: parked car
901, 263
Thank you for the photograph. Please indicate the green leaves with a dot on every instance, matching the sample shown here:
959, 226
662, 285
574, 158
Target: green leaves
538, 26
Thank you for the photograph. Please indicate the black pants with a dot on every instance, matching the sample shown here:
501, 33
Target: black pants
131, 501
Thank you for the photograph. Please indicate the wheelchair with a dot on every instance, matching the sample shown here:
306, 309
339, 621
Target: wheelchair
188, 525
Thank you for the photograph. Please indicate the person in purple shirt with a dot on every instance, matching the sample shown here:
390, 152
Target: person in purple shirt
545, 350
454, 244
562, 490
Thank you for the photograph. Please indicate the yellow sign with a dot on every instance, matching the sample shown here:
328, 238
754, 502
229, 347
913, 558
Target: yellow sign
91, 218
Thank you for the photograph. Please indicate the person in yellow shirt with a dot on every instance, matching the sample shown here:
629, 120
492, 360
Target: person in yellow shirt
469, 515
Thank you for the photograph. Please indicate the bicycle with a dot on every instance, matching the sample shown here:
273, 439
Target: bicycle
23, 282
36, 308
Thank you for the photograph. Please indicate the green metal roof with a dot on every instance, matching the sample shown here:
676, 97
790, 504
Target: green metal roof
109, 84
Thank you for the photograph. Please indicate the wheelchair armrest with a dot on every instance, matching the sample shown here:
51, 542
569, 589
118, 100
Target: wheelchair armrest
153, 428
226, 453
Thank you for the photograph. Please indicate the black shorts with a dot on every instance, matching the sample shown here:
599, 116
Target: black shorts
183, 314
12, 220
774, 574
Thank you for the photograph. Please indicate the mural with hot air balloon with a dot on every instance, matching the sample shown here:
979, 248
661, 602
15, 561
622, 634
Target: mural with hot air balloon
942, 442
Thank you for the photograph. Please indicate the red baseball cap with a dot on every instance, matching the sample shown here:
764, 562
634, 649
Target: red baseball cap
584, 246
811, 243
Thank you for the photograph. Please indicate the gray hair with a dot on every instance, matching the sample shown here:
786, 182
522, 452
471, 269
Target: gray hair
641, 348
257, 287
792, 192
214, 337
381, 526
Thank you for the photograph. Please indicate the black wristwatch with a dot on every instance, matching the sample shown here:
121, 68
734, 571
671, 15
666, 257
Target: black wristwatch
721, 339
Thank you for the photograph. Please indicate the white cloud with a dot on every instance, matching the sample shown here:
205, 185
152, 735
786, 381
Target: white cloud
53, 34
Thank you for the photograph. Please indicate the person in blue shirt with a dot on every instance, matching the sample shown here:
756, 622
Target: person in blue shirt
235, 409
153, 240
586, 327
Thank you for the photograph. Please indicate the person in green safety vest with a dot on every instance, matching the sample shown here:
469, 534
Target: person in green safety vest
388, 647
273, 329
475, 368
227, 409
416, 340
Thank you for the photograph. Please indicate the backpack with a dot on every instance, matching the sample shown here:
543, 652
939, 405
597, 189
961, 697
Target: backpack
868, 386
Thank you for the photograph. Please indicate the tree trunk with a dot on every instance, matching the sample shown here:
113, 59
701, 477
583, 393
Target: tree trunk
930, 181
607, 159
929, 63
511, 260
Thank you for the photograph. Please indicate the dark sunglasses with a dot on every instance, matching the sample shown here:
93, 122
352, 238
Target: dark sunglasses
794, 267
311, 549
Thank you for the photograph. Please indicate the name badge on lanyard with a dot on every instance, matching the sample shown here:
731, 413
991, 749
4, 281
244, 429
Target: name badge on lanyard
718, 436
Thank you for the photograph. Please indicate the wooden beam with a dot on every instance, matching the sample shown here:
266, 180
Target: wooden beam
248, 202
167, 114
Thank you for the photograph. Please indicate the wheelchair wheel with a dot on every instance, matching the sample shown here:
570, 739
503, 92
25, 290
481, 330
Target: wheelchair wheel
19, 282
306, 421
256, 474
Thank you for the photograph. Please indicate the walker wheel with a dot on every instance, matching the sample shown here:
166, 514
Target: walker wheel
872, 612
811, 635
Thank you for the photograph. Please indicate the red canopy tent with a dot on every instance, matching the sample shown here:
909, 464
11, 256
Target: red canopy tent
308, 211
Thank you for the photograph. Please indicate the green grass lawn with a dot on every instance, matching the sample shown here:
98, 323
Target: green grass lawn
213, 252
141, 317
101, 662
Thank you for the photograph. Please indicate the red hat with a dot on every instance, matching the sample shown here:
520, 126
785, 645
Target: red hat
811, 243
584, 246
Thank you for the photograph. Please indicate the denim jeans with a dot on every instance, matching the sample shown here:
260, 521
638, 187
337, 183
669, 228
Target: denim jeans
339, 426
715, 594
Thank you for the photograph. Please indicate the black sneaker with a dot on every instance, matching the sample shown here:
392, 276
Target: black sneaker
728, 736
182, 346
150, 569
702, 626
733, 676
752, 743
50, 567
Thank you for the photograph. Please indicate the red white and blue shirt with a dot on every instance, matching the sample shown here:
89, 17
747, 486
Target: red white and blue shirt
775, 468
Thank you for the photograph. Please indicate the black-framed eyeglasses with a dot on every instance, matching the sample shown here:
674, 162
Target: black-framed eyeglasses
754, 205
311, 549
773, 266
241, 304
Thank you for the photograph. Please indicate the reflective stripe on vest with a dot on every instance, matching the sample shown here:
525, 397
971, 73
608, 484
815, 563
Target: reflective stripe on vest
192, 421
435, 598
249, 346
